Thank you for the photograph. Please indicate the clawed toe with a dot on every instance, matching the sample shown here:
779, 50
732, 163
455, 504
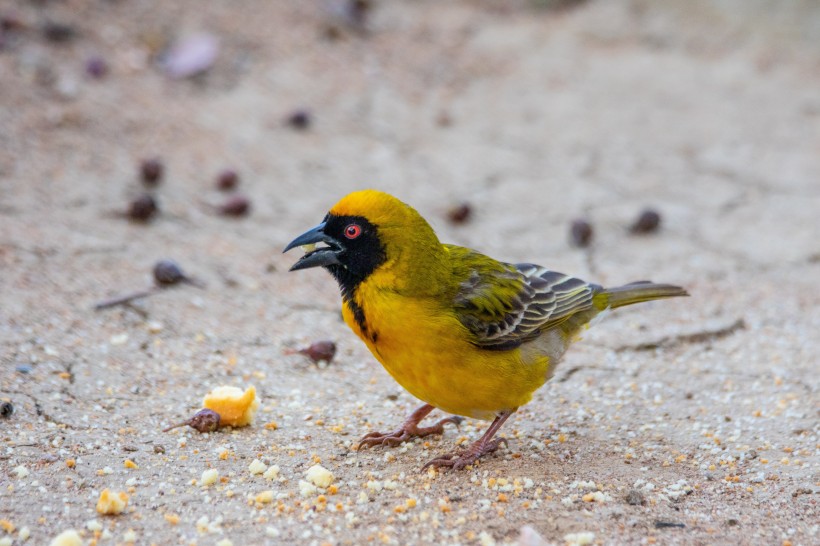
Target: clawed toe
457, 461
408, 430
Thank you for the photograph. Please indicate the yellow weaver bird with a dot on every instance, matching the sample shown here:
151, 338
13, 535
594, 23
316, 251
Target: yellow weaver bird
461, 331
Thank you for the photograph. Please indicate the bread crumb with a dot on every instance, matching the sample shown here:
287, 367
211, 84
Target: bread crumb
67, 538
171, 518
486, 539
307, 489
24, 533
7, 526
130, 536
93, 525
271, 473
235, 407
21, 472
5, 541
209, 477
130, 464
257, 467
265, 497
112, 502
70, 463
319, 476
224, 542
579, 539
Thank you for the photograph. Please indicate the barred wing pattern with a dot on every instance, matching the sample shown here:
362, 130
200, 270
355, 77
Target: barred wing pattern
542, 299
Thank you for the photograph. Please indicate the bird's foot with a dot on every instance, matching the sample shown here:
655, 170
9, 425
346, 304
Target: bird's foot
408, 430
459, 460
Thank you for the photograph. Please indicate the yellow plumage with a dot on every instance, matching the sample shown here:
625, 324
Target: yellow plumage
462, 332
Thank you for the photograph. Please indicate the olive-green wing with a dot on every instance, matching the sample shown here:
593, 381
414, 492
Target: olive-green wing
505, 306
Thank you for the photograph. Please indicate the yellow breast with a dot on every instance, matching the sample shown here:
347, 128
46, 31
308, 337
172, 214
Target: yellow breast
427, 351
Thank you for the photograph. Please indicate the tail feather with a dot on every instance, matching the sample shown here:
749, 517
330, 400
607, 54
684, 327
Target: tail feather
636, 292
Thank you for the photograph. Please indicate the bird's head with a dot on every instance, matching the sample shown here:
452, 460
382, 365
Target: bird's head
362, 233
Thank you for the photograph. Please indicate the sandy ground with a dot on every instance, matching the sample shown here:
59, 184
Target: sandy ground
682, 422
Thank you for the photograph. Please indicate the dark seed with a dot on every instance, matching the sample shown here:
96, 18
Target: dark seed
320, 351
158, 448
238, 205
58, 32
581, 233
167, 272
444, 120
6, 409
10, 22
204, 420
635, 498
143, 208
151, 171
732, 522
227, 180
357, 11
300, 119
96, 67
648, 222
460, 213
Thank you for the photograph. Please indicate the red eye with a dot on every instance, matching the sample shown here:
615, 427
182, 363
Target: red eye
352, 231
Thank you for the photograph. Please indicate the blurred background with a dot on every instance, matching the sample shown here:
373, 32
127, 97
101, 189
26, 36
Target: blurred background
615, 140
541, 116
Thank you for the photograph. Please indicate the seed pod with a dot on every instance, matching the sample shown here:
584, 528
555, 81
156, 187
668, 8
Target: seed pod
227, 180
300, 119
96, 67
167, 272
204, 420
237, 205
460, 213
321, 351
648, 222
151, 171
581, 232
143, 208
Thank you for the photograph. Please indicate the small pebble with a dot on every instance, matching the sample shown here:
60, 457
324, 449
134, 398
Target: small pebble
151, 171
460, 213
237, 205
96, 67
648, 222
191, 56
6, 409
300, 119
227, 180
580, 233
143, 208
24, 368
635, 498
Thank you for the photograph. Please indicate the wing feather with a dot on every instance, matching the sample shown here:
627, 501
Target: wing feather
506, 306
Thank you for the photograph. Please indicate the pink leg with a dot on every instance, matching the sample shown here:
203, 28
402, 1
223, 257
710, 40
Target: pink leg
409, 429
481, 447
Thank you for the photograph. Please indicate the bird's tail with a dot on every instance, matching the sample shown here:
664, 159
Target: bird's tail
636, 292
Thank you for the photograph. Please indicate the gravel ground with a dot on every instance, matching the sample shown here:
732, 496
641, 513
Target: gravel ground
678, 422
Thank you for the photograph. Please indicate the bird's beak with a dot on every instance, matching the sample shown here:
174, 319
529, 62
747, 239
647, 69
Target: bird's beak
316, 257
